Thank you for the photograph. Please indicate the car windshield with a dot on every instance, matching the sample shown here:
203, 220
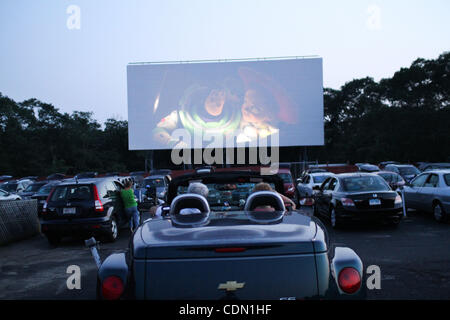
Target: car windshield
447, 179
364, 183
387, 176
33, 187
287, 178
77, 192
10, 187
320, 179
408, 171
154, 182
226, 197
45, 189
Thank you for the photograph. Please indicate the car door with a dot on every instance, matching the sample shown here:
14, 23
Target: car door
328, 194
426, 194
412, 191
322, 209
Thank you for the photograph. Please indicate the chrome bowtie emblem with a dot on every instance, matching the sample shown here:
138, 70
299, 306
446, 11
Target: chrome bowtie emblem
231, 286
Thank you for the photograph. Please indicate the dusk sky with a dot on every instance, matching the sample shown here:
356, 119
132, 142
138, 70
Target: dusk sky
80, 64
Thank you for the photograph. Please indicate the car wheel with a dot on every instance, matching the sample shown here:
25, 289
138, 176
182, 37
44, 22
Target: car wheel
438, 212
113, 231
333, 218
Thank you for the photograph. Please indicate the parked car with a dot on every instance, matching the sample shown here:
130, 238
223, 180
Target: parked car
407, 171
42, 194
15, 186
357, 197
307, 184
31, 189
367, 167
86, 175
89, 206
5, 195
395, 181
435, 166
241, 254
383, 164
4, 178
286, 176
57, 176
430, 192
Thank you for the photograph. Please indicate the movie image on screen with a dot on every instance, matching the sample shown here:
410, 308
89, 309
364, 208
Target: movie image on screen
247, 100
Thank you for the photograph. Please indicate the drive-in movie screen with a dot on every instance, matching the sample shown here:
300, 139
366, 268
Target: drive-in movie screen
245, 100
224, 159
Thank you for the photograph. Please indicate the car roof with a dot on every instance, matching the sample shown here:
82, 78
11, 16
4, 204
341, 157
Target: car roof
326, 173
156, 176
401, 165
86, 181
386, 172
439, 171
355, 174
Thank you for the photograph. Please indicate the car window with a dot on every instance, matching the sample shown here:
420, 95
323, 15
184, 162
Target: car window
226, 197
325, 184
407, 171
419, 181
432, 181
287, 178
2, 193
447, 179
332, 184
78, 192
110, 189
364, 183
320, 178
45, 189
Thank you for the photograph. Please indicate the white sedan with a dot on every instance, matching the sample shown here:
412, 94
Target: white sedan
306, 185
4, 195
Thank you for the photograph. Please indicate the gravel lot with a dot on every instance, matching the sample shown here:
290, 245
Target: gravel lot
414, 261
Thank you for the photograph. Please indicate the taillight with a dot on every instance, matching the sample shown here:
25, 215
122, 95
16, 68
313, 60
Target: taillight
98, 203
349, 280
112, 288
44, 207
346, 202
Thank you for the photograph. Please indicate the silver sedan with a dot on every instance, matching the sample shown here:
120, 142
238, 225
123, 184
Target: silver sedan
430, 192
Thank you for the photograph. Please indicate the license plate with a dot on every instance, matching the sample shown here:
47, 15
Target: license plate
69, 210
374, 202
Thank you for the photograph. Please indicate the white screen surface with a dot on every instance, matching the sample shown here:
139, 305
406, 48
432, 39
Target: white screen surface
245, 99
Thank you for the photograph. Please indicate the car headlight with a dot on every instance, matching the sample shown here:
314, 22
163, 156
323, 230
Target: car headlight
398, 200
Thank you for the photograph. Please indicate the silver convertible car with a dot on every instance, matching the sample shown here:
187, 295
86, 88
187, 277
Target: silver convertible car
248, 247
430, 192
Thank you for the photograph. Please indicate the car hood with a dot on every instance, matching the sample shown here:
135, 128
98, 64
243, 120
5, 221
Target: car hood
159, 239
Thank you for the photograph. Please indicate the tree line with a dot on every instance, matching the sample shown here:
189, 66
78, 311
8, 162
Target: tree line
404, 118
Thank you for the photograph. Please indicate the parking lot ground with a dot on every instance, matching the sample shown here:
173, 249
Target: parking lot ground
414, 260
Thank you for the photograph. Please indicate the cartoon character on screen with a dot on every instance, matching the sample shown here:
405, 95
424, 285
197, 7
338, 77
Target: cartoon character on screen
265, 108
211, 109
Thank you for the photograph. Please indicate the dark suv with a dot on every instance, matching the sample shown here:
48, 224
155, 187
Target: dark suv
89, 206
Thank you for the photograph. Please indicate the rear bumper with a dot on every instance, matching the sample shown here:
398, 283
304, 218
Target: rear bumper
363, 215
68, 227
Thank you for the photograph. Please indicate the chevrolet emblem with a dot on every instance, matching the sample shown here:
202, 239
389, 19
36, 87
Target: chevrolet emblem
231, 285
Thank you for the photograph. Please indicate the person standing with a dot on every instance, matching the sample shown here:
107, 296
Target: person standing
130, 204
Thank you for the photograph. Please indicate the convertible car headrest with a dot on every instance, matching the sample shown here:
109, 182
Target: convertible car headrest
264, 199
189, 209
